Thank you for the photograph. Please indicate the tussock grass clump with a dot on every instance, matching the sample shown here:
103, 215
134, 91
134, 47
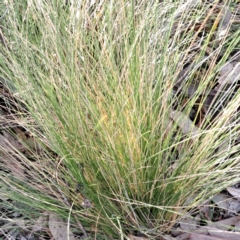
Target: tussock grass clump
129, 124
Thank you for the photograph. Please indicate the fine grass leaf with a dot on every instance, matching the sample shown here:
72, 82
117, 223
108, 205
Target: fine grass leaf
58, 228
85, 71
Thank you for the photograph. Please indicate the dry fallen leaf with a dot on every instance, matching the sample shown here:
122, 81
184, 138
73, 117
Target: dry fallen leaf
28, 139
20, 222
41, 222
183, 236
235, 192
237, 227
196, 236
226, 203
176, 232
7, 141
224, 234
225, 224
184, 123
163, 237
229, 73
189, 223
225, 22
132, 237
58, 228
9, 163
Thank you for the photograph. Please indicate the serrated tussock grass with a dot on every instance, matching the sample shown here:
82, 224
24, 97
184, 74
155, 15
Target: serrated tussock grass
98, 79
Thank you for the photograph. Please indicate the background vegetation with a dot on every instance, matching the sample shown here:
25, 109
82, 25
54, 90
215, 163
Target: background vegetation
116, 143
